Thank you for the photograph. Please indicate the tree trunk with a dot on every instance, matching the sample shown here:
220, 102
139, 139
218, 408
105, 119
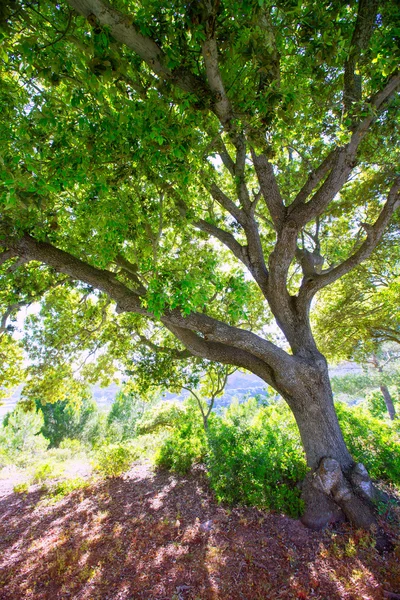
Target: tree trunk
388, 401
336, 487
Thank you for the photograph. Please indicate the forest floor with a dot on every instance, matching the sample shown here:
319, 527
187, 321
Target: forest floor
155, 536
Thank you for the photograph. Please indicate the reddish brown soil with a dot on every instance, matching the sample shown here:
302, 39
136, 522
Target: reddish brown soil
161, 537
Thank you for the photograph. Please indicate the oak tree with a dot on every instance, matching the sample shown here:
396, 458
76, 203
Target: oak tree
201, 167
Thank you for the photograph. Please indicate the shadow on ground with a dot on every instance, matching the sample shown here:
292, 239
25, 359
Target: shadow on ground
159, 537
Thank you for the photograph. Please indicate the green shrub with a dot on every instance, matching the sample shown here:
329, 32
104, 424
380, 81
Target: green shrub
164, 415
74, 446
178, 453
115, 459
376, 404
21, 488
373, 442
186, 442
255, 457
45, 471
63, 488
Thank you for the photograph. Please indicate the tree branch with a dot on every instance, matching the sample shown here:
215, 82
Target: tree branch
227, 203
125, 32
374, 234
269, 189
226, 238
63, 262
367, 10
340, 163
314, 179
7, 255
8, 312
174, 352
226, 157
131, 272
223, 353
128, 301
221, 104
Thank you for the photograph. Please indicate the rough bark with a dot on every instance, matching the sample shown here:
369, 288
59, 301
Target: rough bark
336, 487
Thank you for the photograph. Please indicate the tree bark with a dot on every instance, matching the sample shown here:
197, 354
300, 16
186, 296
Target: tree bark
336, 487
388, 401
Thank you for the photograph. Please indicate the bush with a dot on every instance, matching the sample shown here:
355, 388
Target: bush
255, 457
164, 415
186, 443
114, 460
21, 488
20, 437
73, 446
179, 453
376, 404
45, 471
63, 488
373, 442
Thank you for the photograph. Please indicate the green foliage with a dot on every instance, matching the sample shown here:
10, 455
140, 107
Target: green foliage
63, 488
359, 313
374, 443
65, 419
255, 457
45, 471
186, 443
351, 384
165, 415
114, 459
125, 412
20, 437
12, 371
21, 488
72, 446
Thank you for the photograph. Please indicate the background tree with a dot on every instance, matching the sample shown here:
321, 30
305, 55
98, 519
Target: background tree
360, 312
364, 323
380, 371
200, 165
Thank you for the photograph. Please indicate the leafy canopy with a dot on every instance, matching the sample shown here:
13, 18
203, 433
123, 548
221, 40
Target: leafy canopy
173, 148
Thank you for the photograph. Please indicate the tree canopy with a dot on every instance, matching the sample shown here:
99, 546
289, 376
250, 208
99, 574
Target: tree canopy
174, 177
173, 151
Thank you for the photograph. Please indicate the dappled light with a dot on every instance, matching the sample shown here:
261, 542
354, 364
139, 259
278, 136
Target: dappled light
153, 535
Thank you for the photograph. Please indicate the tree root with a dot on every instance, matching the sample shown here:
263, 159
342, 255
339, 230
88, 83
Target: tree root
331, 497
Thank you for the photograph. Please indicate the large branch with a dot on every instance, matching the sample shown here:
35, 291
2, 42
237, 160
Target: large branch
269, 188
339, 163
367, 10
374, 234
6, 255
221, 104
227, 203
63, 262
173, 352
314, 179
226, 238
125, 32
223, 236
128, 301
223, 353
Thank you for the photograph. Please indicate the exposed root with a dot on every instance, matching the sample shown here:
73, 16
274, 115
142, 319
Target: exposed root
330, 496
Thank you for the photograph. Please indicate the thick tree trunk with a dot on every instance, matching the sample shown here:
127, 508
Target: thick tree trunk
336, 487
388, 401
